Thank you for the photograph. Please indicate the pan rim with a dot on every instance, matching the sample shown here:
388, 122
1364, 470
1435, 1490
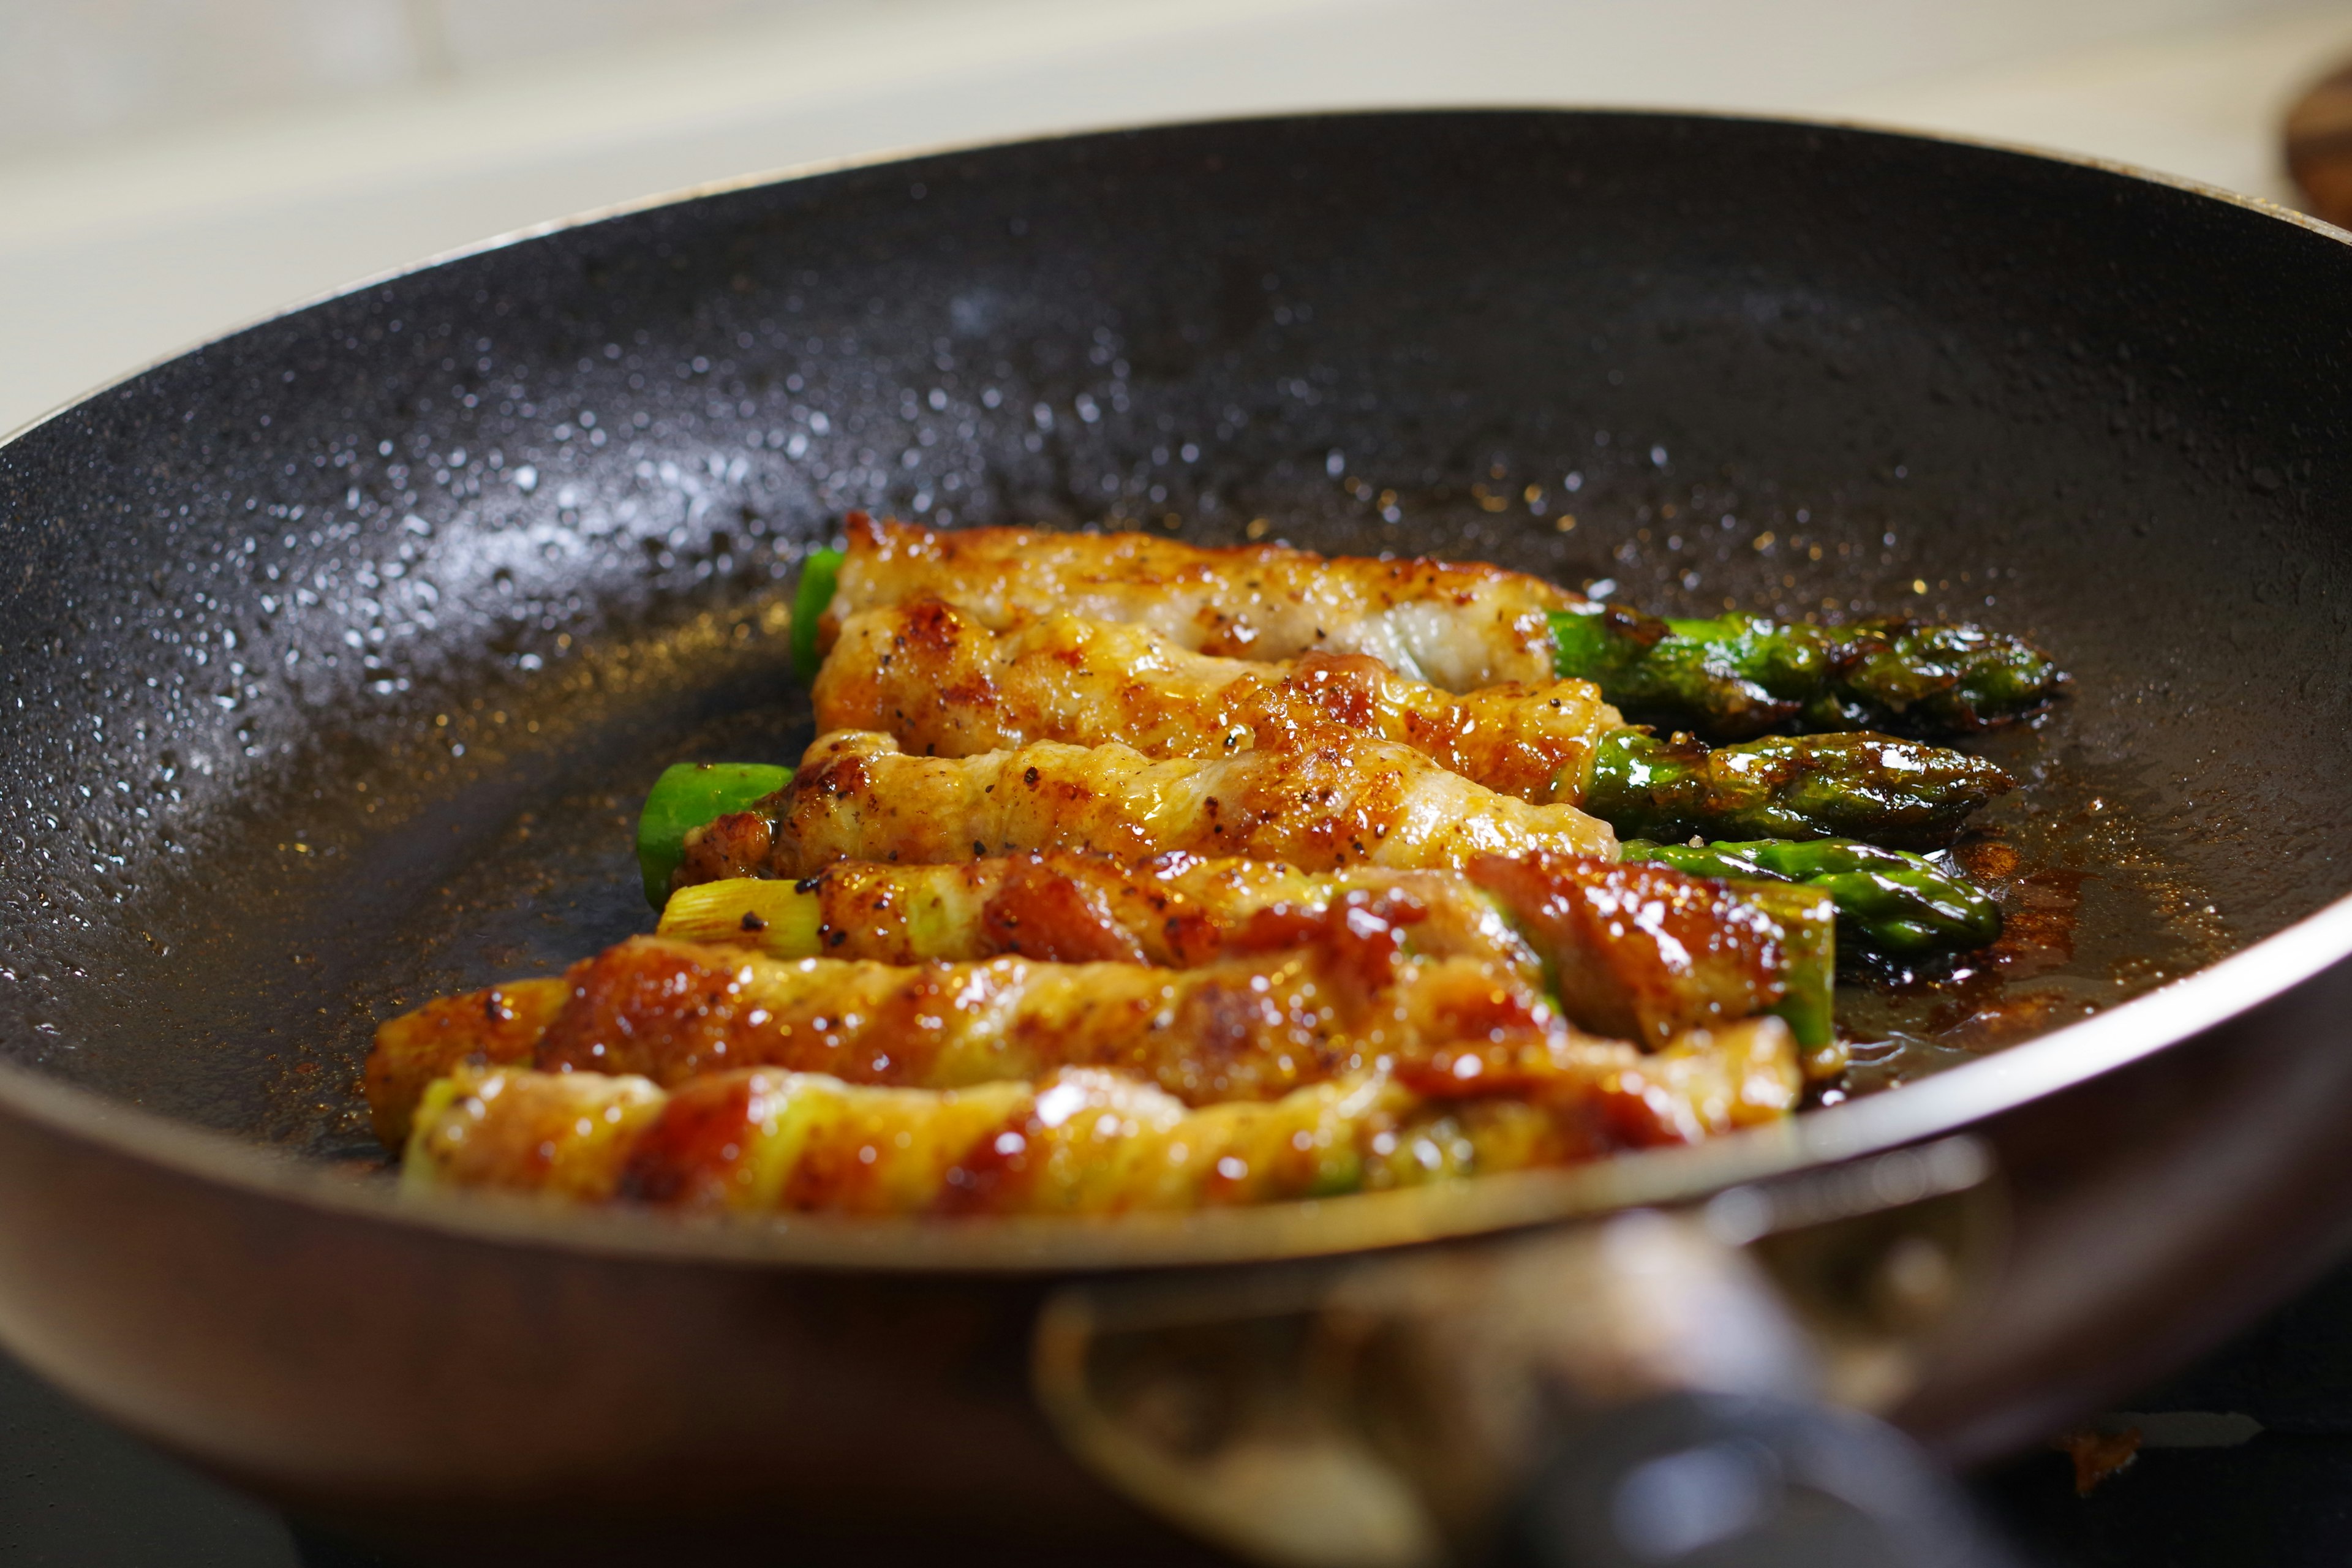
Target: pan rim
1948, 1103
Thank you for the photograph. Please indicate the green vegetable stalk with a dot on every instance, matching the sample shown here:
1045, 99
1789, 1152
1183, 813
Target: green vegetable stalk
1740, 676
1807, 923
820, 571
1888, 903
943, 913
1872, 787
687, 795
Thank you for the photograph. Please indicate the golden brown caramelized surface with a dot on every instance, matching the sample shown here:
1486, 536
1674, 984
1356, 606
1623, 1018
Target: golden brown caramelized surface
1320, 799
938, 680
1059, 905
1079, 1141
503, 1023
564, 1134
1640, 952
1299, 998
1242, 1028
1458, 627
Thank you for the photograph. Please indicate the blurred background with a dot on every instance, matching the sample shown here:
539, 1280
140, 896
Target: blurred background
171, 168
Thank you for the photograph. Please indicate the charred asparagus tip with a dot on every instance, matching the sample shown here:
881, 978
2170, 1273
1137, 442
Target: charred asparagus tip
1738, 676
1901, 794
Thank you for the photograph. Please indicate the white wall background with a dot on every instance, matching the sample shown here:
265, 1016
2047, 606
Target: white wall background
169, 168
74, 70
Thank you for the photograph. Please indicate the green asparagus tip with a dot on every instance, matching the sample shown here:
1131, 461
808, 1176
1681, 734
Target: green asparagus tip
819, 575
687, 795
1901, 794
1737, 676
1888, 904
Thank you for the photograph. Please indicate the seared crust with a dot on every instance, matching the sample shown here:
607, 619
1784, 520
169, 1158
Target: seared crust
1340, 999
1456, 626
1636, 951
1062, 906
1322, 799
1081, 1142
1637, 956
1244, 1029
938, 680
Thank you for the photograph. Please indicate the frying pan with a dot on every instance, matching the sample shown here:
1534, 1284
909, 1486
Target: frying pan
338, 651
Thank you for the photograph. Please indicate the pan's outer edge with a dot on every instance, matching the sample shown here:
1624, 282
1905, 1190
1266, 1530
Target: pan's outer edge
1952, 1100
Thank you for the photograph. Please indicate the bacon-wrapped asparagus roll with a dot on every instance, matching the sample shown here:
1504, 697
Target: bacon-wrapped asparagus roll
1247, 1027
1056, 905
1639, 954
1322, 799
1083, 1141
941, 683
1344, 1000
938, 679
1459, 626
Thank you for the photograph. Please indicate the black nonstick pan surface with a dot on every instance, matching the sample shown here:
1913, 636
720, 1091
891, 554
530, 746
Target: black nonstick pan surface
335, 656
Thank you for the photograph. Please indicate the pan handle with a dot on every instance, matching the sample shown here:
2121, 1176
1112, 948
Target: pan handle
1739, 1481
1538, 1398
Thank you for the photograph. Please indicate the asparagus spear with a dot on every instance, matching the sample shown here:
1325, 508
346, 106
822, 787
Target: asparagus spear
1458, 627
1808, 1004
1742, 675
1888, 903
1872, 787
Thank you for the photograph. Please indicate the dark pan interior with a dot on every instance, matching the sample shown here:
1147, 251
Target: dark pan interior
336, 653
